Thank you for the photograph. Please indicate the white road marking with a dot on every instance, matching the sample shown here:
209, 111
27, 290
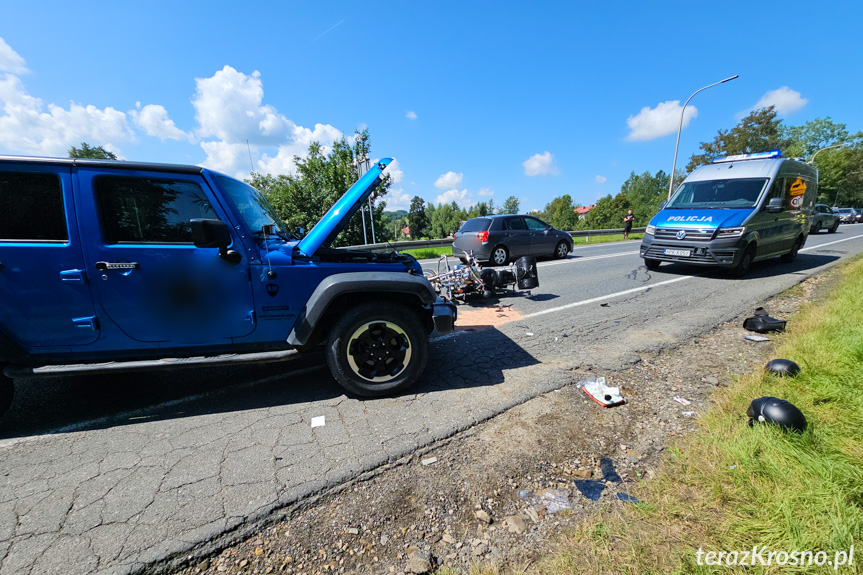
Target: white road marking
608, 296
831, 243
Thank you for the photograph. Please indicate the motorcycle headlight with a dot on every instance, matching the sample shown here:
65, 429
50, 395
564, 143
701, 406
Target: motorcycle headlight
730, 232
649, 230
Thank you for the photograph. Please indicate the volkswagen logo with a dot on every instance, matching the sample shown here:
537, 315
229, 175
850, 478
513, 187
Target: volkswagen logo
681, 234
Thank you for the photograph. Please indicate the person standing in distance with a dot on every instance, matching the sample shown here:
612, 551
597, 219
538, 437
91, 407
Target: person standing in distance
627, 224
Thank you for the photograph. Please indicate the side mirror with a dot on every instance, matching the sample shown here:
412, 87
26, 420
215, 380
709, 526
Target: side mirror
774, 206
214, 234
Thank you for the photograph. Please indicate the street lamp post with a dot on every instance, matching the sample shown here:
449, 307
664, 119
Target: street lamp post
680, 127
812, 161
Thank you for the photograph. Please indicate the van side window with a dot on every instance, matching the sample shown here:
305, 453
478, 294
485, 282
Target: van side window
778, 190
149, 210
31, 207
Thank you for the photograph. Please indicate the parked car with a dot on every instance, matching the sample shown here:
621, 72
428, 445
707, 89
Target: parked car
110, 266
823, 218
859, 218
847, 215
501, 239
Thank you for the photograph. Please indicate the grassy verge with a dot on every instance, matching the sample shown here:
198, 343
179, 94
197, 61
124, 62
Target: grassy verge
732, 487
429, 253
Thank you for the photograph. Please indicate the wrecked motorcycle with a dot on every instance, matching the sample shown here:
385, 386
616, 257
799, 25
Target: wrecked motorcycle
457, 282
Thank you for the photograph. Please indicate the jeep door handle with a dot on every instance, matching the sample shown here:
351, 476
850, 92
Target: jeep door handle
124, 266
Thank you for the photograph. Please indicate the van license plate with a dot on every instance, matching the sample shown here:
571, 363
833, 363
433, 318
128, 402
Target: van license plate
683, 253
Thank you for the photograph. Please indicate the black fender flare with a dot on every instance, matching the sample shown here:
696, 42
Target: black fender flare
337, 285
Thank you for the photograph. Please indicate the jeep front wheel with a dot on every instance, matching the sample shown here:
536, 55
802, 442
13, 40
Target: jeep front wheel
377, 349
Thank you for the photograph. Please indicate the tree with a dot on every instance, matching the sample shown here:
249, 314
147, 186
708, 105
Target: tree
760, 131
645, 192
511, 205
85, 151
417, 219
814, 135
321, 179
608, 212
560, 213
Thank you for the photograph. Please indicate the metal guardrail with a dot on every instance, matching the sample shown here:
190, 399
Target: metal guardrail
446, 242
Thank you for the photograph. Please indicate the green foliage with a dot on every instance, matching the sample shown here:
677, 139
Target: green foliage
805, 140
445, 219
760, 131
321, 179
560, 213
85, 151
608, 213
511, 205
645, 192
418, 221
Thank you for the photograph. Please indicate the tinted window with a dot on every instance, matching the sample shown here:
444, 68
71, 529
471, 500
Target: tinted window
149, 210
534, 224
514, 224
731, 193
31, 207
476, 225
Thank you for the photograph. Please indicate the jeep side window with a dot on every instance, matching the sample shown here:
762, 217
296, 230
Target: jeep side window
31, 207
149, 210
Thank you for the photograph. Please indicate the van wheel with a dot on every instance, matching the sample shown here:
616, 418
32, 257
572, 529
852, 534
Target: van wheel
377, 349
833, 228
745, 263
7, 391
651, 264
792, 255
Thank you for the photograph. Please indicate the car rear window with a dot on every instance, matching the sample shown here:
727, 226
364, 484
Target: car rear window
476, 225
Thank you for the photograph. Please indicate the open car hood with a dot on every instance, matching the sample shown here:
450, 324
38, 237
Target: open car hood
335, 220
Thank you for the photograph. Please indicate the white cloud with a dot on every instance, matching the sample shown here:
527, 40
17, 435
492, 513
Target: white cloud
462, 198
154, 120
485, 192
540, 165
448, 180
395, 172
411, 115
397, 199
784, 99
664, 119
27, 126
10, 60
601, 179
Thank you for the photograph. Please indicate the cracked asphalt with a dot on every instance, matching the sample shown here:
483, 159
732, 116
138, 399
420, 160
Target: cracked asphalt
136, 472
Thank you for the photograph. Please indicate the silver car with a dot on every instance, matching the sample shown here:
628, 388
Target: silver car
823, 218
847, 215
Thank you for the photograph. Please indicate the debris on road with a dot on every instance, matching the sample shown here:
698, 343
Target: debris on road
596, 389
763, 323
782, 367
681, 400
608, 471
779, 411
626, 498
590, 488
429, 460
319, 421
756, 338
545, 500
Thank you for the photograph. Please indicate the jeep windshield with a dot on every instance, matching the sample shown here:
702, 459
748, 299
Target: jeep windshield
731, 194
254, 207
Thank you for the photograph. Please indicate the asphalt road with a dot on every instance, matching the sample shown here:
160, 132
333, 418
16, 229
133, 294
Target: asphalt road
113, 474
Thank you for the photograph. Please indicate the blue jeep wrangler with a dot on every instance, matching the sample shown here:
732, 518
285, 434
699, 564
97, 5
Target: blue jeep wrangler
108, 266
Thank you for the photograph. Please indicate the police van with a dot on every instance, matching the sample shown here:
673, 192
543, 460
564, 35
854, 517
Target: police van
733, 212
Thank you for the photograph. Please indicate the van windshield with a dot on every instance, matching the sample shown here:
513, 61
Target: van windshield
731, 194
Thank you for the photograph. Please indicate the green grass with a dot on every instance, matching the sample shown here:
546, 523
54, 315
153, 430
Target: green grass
429, 253
604, 239
434, 253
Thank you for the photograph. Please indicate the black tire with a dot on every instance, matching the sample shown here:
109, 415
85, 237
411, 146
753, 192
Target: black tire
745, 264
377, 349
7, 391
499, 256
833, 228
561, 250
651, 264
817, 228
792, 253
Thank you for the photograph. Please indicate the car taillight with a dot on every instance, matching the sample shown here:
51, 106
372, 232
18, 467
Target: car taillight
482, 236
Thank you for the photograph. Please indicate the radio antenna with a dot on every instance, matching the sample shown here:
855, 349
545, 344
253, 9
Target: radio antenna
251, 164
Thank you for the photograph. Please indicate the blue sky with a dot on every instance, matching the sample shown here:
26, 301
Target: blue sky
475, 100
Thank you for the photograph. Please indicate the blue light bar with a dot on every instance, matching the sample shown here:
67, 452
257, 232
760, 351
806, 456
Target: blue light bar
756, 156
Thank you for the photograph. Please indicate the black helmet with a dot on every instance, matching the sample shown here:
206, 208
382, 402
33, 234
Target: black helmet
782, 367
774, 410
